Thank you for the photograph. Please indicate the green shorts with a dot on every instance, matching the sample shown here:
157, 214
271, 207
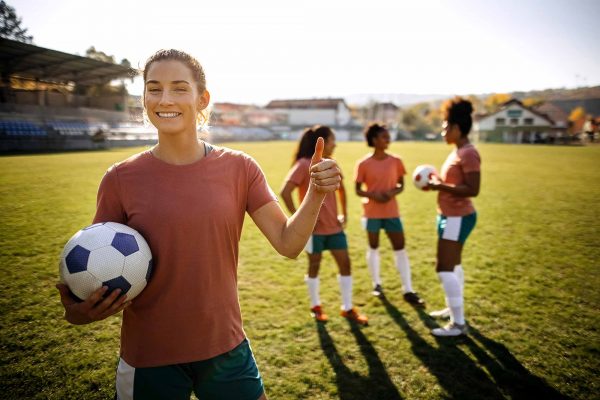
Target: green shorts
319, 243
456, 229
232, 375
387, 224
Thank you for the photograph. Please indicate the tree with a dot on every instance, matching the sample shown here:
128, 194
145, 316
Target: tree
10, 25
99, 55
532, 101
492, 102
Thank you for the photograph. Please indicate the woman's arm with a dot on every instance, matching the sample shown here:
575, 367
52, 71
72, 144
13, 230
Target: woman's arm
289, 235
398, 189
377, 196
470, 187
343, 201
286, 195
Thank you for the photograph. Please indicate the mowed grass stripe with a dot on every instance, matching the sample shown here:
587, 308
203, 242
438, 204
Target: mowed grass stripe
531, 294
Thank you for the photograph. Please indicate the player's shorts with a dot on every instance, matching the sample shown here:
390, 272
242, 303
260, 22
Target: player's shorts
387, 224
456, 229
320, 243
229, 376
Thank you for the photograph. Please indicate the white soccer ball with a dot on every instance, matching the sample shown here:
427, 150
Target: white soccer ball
106, 254
422, 175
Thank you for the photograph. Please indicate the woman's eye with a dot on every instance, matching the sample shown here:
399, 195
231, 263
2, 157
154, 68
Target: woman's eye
181, 90
153, 90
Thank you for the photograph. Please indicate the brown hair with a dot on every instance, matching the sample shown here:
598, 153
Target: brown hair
458, 111
308, 141
190, 62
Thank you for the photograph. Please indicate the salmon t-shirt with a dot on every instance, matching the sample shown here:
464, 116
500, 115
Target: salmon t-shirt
459, 163
191, 216
379, 176
327, 221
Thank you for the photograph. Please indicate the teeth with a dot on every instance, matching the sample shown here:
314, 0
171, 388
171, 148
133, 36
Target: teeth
167, 114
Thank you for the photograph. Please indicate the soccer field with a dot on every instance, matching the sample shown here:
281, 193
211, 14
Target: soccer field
531, 266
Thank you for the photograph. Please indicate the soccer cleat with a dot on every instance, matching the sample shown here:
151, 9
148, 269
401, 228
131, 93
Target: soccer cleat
378, 291
414, 299
318, 314
353, 315
452, 329
443, 314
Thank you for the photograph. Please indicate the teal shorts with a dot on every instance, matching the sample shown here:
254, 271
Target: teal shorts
320, 243
229, 376
387, 224
456, 229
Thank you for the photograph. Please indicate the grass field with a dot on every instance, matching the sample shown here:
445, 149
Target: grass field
532, 278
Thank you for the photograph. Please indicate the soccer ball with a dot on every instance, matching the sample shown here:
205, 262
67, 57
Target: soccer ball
106, 254
422, 175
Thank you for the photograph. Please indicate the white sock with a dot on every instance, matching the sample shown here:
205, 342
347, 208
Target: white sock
403, 267
460, 274
373, 264
454, 298
313, 290
346, 289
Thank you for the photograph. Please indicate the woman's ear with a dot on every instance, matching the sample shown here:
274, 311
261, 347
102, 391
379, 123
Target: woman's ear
203, 100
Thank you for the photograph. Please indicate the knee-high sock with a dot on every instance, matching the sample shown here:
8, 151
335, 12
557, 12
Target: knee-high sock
313, 290
346, 289
373, 264
454, 298
403, 267
460, 274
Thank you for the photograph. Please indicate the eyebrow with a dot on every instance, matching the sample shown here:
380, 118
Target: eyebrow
172, 82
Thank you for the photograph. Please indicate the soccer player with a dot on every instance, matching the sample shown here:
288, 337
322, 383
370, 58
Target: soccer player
188, 199
383, 175
459, 181
328, 233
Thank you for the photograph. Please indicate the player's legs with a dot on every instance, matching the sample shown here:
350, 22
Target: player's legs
314, 251
372, 226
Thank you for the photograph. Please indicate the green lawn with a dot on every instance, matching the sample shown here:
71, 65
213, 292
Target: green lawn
532, 278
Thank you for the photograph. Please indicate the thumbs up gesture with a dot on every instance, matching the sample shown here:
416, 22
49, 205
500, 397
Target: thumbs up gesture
325, 176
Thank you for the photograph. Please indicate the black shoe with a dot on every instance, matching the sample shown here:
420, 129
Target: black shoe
414, 299
378, 291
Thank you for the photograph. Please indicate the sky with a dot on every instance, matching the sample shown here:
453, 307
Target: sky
256, 51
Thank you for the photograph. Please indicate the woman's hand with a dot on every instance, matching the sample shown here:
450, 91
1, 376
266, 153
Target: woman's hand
94, 308
325, 175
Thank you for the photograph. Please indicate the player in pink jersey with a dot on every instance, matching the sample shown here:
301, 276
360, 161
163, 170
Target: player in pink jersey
328, 233
383, 176
184, 332
460, 180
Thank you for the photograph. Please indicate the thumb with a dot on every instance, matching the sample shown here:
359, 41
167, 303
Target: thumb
318, 155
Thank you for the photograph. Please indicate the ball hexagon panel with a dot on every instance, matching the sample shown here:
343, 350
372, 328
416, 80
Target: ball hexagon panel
106, 263
121, 228
149, 271
125, 243
77, 259
82, 284
96, 237
135, 268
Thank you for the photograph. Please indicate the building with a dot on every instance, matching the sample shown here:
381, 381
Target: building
308, 112
516, 123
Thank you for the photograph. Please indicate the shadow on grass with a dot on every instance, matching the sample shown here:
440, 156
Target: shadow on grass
495, 376
351, 385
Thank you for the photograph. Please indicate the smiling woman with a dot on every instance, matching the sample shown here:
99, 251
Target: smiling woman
188, 198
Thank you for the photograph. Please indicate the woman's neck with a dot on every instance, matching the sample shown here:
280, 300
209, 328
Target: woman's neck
178, 150
463, 141
379, 154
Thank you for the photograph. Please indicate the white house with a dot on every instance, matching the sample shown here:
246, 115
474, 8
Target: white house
515, 123
308, 112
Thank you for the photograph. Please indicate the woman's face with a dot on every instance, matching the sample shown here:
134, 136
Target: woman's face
450, 132
382, 140
171, 97
329, 146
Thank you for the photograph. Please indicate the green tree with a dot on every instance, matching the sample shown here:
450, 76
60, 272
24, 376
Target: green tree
99, 55
10, 25
492, 102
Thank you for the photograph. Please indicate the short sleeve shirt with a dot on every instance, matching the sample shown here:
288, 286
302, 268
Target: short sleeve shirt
459, 163
191, 216
379, 176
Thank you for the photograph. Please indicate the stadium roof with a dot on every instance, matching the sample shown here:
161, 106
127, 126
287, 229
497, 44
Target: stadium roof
28, 61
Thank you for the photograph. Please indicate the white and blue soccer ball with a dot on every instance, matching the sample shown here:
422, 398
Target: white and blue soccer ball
106, 254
